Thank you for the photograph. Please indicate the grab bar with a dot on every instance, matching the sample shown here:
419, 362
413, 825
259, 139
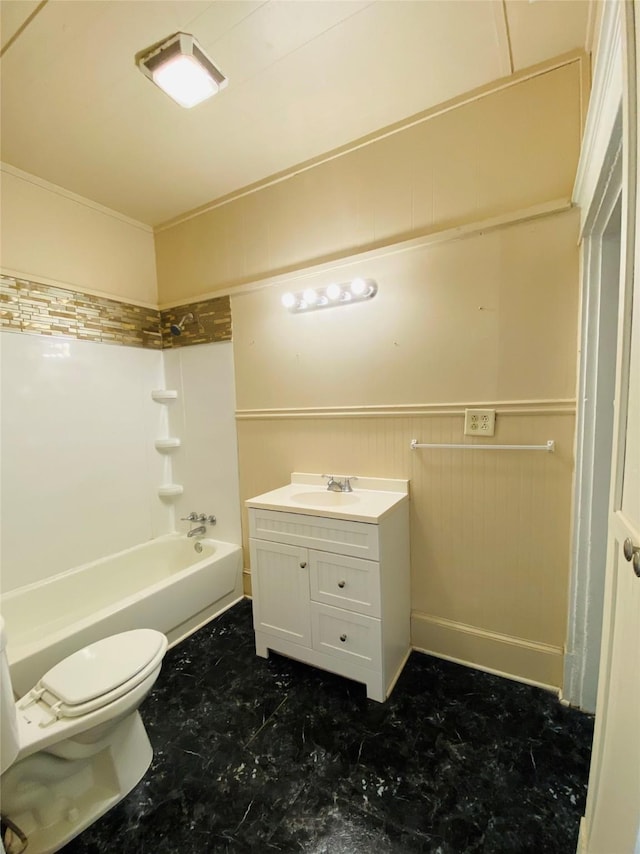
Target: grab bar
549, 447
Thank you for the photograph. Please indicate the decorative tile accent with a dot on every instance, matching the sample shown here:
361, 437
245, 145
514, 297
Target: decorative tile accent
31, 307
211, 322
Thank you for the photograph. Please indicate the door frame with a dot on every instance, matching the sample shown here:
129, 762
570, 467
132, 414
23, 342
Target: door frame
597, 190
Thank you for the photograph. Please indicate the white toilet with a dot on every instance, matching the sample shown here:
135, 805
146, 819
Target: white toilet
75, 745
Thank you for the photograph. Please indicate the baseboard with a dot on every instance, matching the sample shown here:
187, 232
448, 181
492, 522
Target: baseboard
582, 837
246, 582
404, 660
514, 658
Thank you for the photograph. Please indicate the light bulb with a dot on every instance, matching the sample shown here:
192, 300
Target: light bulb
310, 296
288, 300
358, 287
185, 80
334, 291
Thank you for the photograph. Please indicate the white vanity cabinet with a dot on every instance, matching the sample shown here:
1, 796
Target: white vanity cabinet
333, 592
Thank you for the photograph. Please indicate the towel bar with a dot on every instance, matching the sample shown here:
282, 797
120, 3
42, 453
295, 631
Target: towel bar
549, 447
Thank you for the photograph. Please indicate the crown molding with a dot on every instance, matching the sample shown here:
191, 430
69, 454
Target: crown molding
57, 190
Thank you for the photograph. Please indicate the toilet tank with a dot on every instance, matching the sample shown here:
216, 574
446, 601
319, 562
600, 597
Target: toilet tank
8, 720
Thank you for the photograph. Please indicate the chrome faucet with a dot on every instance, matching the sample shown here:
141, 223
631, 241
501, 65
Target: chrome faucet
197, 532
205, 520
334, 485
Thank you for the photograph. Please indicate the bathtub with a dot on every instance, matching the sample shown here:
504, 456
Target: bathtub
164, 584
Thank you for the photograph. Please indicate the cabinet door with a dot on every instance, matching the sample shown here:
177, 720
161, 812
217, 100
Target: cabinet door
280, 582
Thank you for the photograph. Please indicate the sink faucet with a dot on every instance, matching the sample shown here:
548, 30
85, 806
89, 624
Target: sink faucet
197, 532
334, 485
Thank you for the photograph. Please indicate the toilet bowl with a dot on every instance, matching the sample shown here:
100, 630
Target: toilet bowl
75, 745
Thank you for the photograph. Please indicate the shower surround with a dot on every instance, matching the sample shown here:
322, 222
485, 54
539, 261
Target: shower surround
80, 463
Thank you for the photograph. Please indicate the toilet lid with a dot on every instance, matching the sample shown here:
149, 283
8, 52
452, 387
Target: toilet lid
103, 666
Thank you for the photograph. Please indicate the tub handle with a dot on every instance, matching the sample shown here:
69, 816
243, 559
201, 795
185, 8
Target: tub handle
199, 517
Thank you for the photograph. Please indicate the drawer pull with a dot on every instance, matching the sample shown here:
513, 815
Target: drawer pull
303, 564
341, 584
343, 638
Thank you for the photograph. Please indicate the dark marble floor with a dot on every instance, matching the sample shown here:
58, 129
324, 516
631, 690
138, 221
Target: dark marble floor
266, 756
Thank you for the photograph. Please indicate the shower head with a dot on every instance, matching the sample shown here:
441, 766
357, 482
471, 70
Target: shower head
176, 328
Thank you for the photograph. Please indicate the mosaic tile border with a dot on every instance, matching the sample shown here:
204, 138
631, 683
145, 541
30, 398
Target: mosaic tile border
211, 322
38, 309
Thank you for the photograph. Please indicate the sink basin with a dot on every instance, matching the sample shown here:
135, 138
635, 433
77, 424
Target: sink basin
307, 495
325, 499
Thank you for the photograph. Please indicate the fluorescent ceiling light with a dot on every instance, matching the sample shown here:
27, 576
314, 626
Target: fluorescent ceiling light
180, 67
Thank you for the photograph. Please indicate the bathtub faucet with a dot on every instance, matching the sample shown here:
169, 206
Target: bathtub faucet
200, 531
204, 520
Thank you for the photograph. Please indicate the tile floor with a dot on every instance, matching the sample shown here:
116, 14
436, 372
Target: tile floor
274, 756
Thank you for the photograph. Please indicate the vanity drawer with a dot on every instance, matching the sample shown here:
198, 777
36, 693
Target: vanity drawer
356, 539
345, 582
347, 636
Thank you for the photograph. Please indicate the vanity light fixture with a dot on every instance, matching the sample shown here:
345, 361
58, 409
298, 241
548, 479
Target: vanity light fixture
181, 68
334, 294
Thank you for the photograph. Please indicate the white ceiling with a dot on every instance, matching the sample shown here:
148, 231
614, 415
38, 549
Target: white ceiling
305, 77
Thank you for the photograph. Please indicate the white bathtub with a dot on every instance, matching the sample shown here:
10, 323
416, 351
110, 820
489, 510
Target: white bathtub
163, 584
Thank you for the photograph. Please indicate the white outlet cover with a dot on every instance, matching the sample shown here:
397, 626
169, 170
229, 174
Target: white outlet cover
479, 422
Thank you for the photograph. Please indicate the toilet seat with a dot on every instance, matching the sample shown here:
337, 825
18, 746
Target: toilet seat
98, 674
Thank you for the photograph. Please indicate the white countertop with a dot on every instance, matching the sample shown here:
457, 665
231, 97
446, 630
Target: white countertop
371, 500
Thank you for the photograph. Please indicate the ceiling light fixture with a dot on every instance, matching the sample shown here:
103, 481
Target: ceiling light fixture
334, 294
181, 68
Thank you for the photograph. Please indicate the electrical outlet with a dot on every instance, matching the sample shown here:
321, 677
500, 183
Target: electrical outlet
479, 422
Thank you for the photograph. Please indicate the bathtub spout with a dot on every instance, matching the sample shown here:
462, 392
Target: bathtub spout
197, 532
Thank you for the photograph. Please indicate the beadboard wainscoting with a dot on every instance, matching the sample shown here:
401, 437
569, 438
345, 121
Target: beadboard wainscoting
490, 530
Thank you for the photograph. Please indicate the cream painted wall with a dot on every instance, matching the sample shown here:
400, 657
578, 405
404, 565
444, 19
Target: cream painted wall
491, 316
489, 531
503, 150
53, 236
487, 318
